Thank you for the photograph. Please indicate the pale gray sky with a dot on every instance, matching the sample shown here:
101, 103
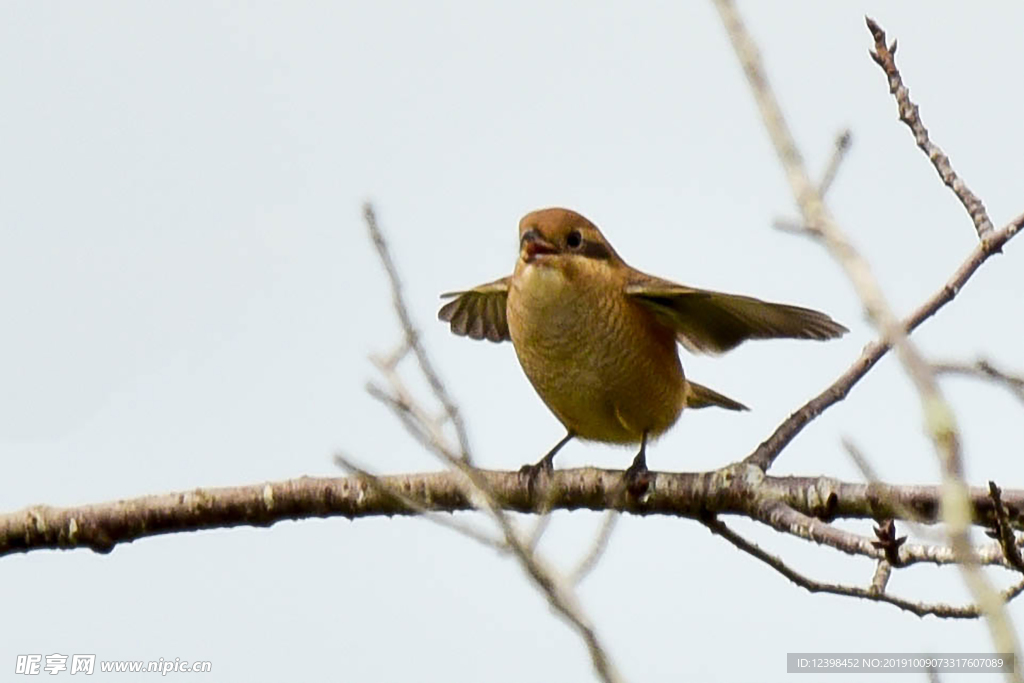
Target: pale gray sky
189, 299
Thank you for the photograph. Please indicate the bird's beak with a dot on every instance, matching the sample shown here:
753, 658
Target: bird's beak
533, 244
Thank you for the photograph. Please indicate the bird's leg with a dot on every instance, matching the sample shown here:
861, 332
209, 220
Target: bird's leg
638, 476
545, 464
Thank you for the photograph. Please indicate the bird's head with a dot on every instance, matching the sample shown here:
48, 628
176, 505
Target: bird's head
560, 237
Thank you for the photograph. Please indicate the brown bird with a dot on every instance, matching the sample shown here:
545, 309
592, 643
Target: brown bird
597, 337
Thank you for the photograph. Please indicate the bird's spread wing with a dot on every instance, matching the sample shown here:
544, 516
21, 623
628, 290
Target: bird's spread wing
713, 322
478, 313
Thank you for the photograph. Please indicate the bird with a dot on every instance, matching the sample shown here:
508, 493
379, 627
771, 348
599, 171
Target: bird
598, 338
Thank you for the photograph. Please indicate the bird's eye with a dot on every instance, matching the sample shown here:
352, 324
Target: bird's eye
574, 240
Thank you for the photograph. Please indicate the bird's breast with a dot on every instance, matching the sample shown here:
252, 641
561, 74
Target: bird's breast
606, 368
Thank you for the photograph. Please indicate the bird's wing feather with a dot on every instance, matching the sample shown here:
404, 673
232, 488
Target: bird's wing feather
712, 322
478, 313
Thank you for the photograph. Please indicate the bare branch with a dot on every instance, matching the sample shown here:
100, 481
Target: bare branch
983, 369
555, 589
821, 224
919, 608
885, 545
545, 578
938, 415
842, 145
885, 57
766, 453
415, 506
414, 418
597, 548
859, 459
904, 513
412, 335
883, 570
733, 490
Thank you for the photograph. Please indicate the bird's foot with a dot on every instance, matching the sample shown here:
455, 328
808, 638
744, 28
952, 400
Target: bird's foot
542, 468
545, 466
536, 475
638, 478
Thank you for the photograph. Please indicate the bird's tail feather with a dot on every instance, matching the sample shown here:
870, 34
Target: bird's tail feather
699, 396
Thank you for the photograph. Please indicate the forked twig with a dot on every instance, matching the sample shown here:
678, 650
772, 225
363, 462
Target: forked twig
412, 336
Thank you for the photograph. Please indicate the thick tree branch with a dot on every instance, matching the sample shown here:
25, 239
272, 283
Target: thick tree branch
737, 490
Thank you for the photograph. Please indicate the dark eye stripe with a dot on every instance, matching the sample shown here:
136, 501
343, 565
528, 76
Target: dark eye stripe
595, 250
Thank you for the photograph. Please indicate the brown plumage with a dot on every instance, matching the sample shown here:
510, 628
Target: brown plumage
597, 338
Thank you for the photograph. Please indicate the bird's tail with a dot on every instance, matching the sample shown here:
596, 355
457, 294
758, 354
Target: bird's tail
699, 396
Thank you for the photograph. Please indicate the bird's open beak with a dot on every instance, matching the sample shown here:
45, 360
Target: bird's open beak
533, 244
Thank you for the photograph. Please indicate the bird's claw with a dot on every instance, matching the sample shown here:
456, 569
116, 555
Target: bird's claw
638, 479
531, 473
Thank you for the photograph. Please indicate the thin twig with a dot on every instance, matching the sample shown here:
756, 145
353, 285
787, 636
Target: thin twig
766, 453
883, 570
412, 335
543, 522
415, 419
885, 56
821, 224
543, 510
903, 512
919, 608
983, 369
597, 548
842, 145
859, 459
885, 501
783, 518
441, 519
558, 593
